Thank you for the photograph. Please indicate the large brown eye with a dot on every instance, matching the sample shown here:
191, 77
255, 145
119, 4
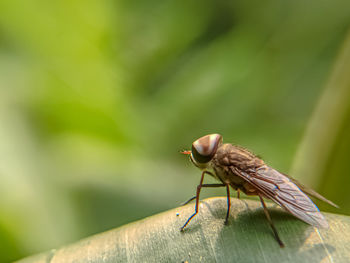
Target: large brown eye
204, 149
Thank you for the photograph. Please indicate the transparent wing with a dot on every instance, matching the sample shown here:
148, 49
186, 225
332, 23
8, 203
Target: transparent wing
311, 192
285, 193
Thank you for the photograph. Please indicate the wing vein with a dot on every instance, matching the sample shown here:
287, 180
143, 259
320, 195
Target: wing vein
280, 189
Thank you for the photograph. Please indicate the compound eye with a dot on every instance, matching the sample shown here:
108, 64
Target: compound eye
204, 149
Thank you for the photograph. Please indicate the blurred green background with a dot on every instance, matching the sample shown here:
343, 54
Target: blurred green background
98, 97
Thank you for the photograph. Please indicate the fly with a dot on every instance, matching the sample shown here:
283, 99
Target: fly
241, 170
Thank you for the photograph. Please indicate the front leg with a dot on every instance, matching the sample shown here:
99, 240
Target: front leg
199, 187
203, 185
197, 201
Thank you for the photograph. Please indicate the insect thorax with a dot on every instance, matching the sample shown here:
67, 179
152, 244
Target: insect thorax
230, 161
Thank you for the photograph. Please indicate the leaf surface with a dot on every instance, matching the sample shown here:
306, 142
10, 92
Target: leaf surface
247, 238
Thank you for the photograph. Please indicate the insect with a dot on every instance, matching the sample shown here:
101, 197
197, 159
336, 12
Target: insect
241, 170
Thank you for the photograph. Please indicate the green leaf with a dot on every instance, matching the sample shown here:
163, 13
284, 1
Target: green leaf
247, 238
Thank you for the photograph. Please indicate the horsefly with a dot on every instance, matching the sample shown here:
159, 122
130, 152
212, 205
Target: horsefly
238, 168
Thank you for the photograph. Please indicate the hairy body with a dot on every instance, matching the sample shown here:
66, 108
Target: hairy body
241, 170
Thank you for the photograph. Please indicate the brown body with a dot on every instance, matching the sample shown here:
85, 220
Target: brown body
229, 161
241, 170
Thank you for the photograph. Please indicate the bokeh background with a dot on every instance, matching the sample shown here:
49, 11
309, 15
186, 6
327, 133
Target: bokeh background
97, 98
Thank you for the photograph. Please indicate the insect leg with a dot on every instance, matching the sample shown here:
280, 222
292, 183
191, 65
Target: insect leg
228, 203
197, 201
189, 200
238, 193
203, 185
213, 185
270, 222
